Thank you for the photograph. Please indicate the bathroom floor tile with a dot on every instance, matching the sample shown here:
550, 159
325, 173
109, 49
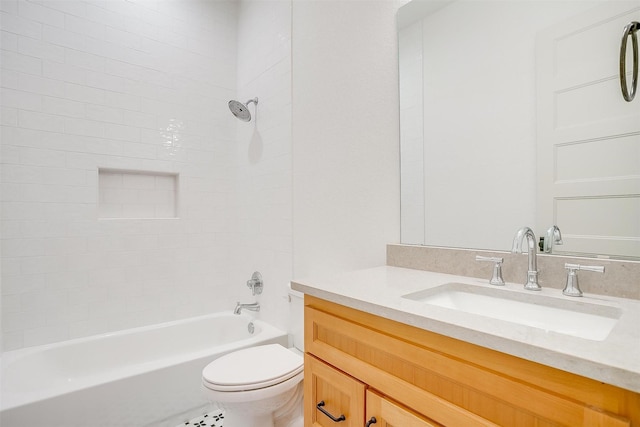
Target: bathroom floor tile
210, 419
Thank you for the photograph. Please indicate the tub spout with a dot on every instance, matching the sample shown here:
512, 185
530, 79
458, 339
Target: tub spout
252, 307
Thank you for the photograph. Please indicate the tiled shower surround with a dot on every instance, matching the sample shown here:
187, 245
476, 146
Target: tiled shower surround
140, 87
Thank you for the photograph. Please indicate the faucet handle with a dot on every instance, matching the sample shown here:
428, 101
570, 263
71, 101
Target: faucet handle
496, 279
572, 287
255, 283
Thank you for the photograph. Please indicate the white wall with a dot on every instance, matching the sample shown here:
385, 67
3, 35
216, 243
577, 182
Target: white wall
345, 134
139, 85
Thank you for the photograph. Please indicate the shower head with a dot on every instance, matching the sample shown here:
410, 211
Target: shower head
241, 110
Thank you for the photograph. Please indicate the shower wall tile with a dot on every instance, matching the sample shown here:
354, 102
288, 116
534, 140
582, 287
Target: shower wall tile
264, 155
121, 85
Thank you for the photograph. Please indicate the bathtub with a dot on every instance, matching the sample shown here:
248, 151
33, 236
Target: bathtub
148, 376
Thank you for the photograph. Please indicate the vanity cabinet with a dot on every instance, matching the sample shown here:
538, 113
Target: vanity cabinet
344, 399
407, 376
341, 395
382, 412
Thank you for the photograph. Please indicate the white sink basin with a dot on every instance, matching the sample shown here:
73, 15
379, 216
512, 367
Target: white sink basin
562, 315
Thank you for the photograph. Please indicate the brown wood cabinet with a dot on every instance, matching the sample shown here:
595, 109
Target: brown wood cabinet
363, 366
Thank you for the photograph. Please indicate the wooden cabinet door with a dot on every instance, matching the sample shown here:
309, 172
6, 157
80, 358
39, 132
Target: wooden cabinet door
384, 413
339, 395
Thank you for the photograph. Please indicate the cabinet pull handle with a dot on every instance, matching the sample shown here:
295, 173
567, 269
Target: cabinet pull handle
371, 421
320, 408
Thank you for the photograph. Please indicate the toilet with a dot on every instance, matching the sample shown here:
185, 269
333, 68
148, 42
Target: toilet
258, 385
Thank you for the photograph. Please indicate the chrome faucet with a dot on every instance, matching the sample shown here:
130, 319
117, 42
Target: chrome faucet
532, 273
553, 237
251, 307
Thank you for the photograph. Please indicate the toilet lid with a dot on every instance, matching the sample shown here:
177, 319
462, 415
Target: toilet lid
252, 368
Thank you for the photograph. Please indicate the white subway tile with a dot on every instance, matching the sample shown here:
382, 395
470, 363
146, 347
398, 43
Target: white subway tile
45, 335
42, 157
41, 85
36, 12
20, 320
64, 38
17, 137
64, 72
70, 7
123, 38
64, 246
63, 142
88, 327
84, 60
43, 264
9, 6
84, 27
8, 116
135, 25
40, 121
139, 210
85, 161
15, 24
11, 269
11, 229
104, 146
97, 13
40, 49
60, 176
140, 120
145, 151
104, 114
74, 281
21, 174
84, 94
138, 181
125, 69
20, 99
18, 62
42, 228
110, 210
122, 100
23, 247
43, 301
121, 132
84, 127
110, 179
62, 107
8, 41
20, 210
108, 82
9, 79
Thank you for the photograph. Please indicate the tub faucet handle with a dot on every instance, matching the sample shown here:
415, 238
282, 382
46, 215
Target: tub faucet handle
255, 283
496, 279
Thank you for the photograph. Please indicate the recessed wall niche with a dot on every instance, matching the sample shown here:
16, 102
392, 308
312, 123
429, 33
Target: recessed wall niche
127, 194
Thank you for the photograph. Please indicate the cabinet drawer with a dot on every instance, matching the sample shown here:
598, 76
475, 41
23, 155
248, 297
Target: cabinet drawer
381, 412
404, 363
338, 395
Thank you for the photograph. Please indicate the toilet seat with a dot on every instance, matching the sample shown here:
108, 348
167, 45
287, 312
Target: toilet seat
252, 368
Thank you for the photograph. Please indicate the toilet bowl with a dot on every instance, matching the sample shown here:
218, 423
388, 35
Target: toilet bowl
253, 384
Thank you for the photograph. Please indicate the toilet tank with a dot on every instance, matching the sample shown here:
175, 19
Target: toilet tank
296, 318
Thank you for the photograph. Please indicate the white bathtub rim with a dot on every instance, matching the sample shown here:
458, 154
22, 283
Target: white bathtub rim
10, 399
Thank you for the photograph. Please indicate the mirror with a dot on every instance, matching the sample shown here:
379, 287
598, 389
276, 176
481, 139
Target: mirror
511, 115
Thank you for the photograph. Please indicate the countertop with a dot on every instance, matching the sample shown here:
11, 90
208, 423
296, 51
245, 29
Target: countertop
614, 360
